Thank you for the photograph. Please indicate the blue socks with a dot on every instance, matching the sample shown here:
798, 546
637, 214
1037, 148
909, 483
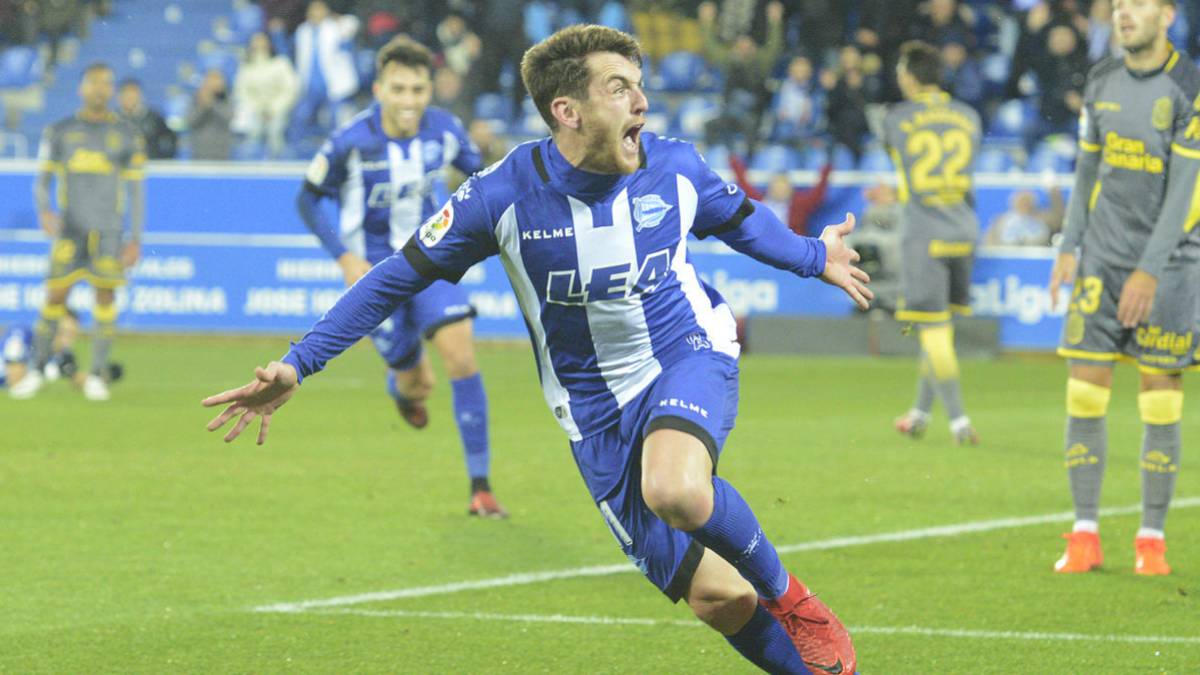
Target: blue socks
733, 533
470, 413
765, 644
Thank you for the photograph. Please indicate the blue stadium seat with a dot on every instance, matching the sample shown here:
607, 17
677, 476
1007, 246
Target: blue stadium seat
681, 71
539, 22
219, 59
248, 20
612, 14
1056, 155
364, 64
776, 158
19, 67
489, 106
842, 159
1010, 119
875, 160
994, 159
717, 157
691, 116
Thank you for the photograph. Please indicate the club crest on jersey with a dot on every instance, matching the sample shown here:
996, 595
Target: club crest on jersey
1161, 116
649, 211
436, 227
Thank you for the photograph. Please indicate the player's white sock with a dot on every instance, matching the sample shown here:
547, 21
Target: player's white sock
1150, 533
1086, 526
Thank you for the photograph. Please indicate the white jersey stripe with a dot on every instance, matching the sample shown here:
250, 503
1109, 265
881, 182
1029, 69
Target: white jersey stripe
406, 169
718, 323
620, 336
350, 223
508, 237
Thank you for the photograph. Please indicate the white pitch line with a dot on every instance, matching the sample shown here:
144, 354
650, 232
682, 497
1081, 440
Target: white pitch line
859, 630
623, 568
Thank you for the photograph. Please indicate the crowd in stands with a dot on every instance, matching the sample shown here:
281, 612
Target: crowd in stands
789, 84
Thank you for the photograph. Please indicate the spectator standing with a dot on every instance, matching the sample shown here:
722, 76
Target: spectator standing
746, 65
1024, 224
209, 119
328, 77
798, 111
263, 94
161, 141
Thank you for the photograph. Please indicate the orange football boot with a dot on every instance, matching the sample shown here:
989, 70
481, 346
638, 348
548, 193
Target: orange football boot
822, 640
1151, 557
1083, 553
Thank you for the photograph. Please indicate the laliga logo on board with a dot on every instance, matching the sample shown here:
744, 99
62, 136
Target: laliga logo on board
649, 211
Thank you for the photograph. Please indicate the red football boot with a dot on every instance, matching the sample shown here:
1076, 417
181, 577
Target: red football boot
822, 640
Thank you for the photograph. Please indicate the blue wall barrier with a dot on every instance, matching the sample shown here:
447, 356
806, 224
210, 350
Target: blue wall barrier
225, 251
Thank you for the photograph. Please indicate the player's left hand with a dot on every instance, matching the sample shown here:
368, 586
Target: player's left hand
1137, 299
131, 254
839, 264
261, 397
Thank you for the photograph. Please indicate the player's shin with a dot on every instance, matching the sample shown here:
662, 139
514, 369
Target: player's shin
733, 532
44, 331
471, 415
937, 342
1161, 412
106, 318
1086, 448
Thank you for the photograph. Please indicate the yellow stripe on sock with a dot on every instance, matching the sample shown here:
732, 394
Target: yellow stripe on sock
1161, 406
105, 313
1085, 399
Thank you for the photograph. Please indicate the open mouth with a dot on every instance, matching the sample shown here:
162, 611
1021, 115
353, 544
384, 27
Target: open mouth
632, 137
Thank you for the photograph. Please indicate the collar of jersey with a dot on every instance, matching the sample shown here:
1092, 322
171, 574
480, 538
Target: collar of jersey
576, 182
1166, 66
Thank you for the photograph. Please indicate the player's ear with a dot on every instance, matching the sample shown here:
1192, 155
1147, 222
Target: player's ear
564, 110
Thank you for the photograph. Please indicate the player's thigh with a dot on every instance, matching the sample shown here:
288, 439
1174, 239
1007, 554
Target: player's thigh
1166, 343
397, 343
442, 313
668, 557
1091, 331
68, 262
697, 396
960, 270
105, 270
924, 284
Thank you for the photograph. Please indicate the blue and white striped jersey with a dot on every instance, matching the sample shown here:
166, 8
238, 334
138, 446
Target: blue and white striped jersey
386, 186
599, 265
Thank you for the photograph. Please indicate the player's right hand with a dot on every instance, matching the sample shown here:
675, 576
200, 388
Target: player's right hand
1062, 274
261, 397
353, 267
50, 222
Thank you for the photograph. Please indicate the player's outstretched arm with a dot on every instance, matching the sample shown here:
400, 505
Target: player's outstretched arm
840, 270
260, 398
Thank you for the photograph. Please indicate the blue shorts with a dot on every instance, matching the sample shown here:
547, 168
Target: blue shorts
698, 395
398, 338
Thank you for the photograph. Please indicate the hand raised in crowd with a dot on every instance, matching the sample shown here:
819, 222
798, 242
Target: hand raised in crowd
775, 12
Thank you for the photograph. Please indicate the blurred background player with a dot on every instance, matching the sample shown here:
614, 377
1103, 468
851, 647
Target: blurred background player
933, 140
16, 348
94, 158
1131, 248
386, 170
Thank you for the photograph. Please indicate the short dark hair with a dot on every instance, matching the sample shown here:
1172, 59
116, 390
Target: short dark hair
922, 60
130, 82
557, 65
406, 52
93, 67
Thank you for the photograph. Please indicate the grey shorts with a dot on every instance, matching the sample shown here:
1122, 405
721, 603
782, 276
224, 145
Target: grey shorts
1166, 342
935, 279
94, 256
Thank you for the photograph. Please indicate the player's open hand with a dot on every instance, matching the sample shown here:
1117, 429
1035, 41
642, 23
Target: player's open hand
1061, 275
50, 222
130, 254
1137, 299
261, 397
839, 264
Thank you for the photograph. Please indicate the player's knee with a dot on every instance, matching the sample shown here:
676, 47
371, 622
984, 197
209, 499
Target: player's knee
938, 344
727, 608
1161, 406
1085, 399
681, 502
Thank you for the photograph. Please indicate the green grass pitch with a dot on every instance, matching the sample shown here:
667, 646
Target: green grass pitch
133, 541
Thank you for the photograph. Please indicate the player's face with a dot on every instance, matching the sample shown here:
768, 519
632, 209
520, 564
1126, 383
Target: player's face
1139, 23
612, 117
96, 89
403, 94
